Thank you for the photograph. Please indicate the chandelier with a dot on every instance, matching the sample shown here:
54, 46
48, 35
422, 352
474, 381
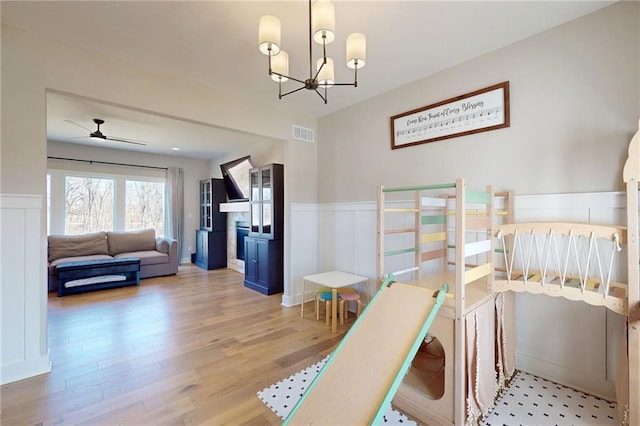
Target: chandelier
322, 31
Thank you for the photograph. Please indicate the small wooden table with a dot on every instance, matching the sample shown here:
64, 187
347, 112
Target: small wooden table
333, 280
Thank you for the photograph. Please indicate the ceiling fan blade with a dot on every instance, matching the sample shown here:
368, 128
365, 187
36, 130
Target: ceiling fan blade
98, 135
77, 124
110, 138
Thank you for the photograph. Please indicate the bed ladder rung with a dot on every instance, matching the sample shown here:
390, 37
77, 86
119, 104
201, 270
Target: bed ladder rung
477, 273
399, 210
400, 231
400, 251
475, 222
434, 237
481, 197
392, 275
433, 219
433, 254
468, 213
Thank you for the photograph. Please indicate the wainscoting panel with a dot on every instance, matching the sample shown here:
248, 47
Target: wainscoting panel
303, 251
23, 289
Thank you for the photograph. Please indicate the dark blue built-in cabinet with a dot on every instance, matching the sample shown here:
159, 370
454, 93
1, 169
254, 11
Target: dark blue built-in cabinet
211, 238
263, 247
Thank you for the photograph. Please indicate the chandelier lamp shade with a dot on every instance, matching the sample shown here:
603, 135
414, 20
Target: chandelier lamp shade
322, 25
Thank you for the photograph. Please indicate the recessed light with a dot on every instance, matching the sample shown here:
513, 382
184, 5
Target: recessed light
175, 148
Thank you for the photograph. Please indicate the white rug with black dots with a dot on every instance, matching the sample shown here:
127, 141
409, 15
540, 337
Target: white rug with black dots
527, 401
282, 396
531, 400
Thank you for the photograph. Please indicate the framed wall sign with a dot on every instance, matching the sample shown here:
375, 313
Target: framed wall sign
480, 111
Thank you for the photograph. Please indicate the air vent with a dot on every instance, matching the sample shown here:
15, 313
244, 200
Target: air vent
303, 134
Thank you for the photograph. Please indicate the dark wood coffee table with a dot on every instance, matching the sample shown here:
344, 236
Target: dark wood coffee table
91, 275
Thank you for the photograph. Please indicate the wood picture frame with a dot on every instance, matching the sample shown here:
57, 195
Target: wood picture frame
479, 111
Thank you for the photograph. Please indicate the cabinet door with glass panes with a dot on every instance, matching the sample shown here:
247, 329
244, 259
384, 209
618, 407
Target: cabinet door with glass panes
267, 201
212, 193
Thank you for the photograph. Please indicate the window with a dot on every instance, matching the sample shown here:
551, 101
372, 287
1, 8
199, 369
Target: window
82, 202
88, 205
144, 206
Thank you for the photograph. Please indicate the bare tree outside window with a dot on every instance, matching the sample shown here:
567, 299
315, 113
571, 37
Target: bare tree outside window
88, 205
144, 206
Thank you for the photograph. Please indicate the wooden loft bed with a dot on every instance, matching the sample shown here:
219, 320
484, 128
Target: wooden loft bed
423, 240
582, 262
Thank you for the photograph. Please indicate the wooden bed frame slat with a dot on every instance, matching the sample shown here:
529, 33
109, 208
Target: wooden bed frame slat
477, 273
577, 229
434, 237
433, 254
474, 222
399, 231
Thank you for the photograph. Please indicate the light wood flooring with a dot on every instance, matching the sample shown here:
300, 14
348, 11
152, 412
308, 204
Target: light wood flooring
190, 349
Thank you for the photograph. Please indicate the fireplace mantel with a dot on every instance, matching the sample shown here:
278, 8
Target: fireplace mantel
242, 206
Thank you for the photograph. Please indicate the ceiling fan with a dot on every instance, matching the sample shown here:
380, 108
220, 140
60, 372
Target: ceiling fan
97, 134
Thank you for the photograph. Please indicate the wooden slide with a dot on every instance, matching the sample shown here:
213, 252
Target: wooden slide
359, 380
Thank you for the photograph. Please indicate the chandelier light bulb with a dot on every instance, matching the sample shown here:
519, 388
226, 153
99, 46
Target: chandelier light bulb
269, 35
323, 21
326, 77
280, 64
356, 50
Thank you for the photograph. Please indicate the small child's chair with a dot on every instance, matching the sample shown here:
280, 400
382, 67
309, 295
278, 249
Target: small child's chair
317, 296
346, 295
326, 297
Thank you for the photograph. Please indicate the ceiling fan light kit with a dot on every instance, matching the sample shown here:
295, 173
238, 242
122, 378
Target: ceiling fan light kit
322, 31
98, 134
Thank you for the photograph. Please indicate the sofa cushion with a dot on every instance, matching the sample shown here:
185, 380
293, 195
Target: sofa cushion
146, 257
77, 245
123, 242
53, 264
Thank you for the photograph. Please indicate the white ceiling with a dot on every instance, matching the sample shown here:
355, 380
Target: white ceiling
214, 43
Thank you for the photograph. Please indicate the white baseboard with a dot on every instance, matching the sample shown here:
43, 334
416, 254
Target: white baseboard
24, 369
564, 375
289, 301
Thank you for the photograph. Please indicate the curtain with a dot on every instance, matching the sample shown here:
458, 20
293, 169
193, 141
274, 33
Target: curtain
482, 385
175, 206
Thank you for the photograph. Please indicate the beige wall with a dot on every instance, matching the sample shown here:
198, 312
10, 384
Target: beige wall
574, 107
32, 65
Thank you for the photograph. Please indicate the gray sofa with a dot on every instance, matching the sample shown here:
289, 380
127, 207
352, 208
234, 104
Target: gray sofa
158, 256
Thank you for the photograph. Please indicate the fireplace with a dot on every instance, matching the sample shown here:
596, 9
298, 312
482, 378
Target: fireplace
242, 230
237, 228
